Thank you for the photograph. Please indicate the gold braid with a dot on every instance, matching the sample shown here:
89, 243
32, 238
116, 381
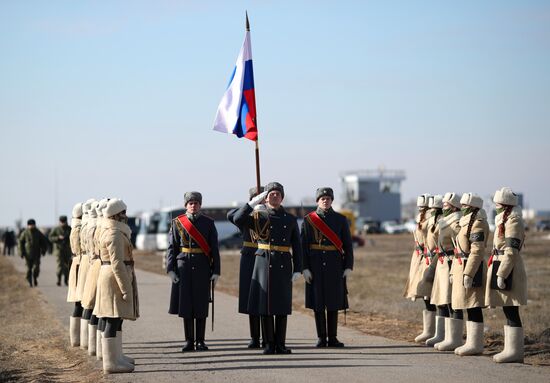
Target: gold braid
260, 232
181, 230
317, 235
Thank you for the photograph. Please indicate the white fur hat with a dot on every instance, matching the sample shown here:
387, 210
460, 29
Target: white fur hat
86, 206
472, 199
436, 202
101, 205
422, 200
114, 206
77, 210
452, 199
505, 196
93, 212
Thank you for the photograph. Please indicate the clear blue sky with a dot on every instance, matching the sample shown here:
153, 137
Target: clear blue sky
118, 98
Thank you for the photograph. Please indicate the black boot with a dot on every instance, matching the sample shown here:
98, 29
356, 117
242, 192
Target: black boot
29, 278
201, 328
269, 334
280, 335
189, 329
254, 323
321, 325
59, 279
35, 281
332, 322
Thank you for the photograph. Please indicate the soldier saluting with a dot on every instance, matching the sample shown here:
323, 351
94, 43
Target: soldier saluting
193, 260
328, 261
275, 266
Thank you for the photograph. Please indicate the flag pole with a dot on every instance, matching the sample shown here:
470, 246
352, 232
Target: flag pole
257, 148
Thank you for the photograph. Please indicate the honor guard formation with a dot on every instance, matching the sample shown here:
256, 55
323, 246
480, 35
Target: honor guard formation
451, 270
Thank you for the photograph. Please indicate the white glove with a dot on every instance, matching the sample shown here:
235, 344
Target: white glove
308, 276
295, 276
347, 273
124, 297
215, 278
450, 279
257, 200
468, 281
413, 299
501, 283
173, 277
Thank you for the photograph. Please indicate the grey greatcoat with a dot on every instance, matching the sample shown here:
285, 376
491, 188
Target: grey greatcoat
271, 286
328, 287
246, 267
189, 297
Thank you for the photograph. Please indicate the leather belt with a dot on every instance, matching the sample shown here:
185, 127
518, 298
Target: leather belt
128, 263
266, 246
250, 244
323, 247
192, 250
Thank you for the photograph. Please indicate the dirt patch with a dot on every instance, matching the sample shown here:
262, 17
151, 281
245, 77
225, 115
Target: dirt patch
376, 286
34, 345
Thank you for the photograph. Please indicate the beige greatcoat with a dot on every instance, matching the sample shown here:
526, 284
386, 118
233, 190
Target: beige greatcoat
117, 278
76, 225
475, 245
428, 264
417, 257
89, 292
84, 258
511, 261
448, 228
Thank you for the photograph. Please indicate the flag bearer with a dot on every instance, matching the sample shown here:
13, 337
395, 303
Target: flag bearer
193, 261
276, 267
328, 260
248, 256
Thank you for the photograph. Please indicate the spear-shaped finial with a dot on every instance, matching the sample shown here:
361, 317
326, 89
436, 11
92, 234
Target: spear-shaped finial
247, 23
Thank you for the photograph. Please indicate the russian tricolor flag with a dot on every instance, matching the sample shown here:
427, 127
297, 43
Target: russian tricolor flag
237, 110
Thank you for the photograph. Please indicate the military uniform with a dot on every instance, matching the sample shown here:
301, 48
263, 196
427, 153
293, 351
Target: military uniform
246, 267
506, 277
32, 245
327, 288
117, 293
271, 287
467, 271
448, 228
194, 268
60, 237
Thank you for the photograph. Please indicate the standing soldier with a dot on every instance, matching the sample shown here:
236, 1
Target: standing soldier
419, 254
467, 276
117, 295
248, 256
328, 260
275, 267
441, 293
32, 245
506, 278
75, 318
60, 237
193, 263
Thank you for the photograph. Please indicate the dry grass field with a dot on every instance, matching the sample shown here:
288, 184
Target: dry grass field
376, 285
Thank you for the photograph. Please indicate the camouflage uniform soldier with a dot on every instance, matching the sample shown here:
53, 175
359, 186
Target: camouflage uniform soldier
32, 244
60, 237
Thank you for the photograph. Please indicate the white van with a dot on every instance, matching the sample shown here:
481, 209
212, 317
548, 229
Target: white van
166, 215
147, 234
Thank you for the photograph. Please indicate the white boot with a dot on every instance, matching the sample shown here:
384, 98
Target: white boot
439, 331
92, 342
474, 340
98, 346
513, 346
111, 363
429, 326
74, 331
124, 358
84, 333
454, 328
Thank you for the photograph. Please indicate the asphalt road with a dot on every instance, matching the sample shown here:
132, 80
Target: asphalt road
155, 341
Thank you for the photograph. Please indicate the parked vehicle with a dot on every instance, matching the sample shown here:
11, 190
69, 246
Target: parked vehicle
543, 225
393, 227
234, 241
146, 238
166, 215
